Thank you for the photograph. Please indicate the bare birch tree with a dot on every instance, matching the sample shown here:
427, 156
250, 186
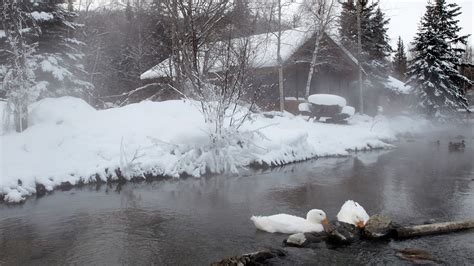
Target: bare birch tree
211, 69
210, 66
323, 13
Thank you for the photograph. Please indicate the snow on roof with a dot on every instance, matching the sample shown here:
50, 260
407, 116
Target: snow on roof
327, 99
398, 86
41, 16
263, 48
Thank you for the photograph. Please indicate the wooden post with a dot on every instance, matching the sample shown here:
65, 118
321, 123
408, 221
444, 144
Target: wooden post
436, 228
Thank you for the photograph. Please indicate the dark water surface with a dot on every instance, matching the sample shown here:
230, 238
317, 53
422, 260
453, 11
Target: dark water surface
197, 221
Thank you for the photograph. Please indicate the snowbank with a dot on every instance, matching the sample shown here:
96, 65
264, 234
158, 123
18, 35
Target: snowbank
327, 99
69, 141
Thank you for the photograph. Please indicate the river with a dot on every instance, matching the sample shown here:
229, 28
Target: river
198, 221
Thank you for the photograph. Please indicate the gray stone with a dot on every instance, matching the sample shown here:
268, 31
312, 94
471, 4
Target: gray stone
297, 239
378, 226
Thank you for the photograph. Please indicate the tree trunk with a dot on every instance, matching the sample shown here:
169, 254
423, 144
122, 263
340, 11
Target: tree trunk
20, 116
436, 228
313, 63
359, 57
280, 62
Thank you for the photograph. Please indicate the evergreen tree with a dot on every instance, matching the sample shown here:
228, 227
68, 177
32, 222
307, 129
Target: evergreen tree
378, 47
57, 56
348, 25
400, 61
59, 53
16, 69
434, 68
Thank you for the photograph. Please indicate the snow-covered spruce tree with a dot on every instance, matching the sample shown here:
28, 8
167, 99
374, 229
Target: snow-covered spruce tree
399, 64
434, 69
58, 56
56, 59
17, 63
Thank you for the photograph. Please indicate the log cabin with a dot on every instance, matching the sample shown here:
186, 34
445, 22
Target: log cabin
336, 71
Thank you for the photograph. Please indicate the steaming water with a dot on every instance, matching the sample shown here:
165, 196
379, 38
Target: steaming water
197, 221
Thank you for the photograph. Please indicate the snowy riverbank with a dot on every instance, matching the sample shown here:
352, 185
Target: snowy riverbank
69, 141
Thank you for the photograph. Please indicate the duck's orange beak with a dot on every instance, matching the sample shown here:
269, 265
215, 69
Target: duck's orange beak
325, 221
360, 224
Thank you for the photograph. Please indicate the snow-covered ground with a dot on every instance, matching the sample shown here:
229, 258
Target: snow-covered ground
69, 141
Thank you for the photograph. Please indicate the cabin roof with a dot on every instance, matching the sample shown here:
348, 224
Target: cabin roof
263, 48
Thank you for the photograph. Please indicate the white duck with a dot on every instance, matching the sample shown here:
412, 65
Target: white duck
352, 213
289, 224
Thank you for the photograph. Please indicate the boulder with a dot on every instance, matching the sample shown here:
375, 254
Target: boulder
378, 226
340, 233
305, 240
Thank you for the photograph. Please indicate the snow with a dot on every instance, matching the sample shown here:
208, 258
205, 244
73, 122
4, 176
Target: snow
349, 110
294, 99
398, 86
54, 111
304, 107
2, 34
69, 141
327, 99
42, 16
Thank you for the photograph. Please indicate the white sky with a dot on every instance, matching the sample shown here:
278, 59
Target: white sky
405, 16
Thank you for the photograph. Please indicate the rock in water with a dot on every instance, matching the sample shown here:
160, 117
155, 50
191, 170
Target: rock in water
305, 240
255, 258
340, 233
378, 226
297, 240
416, 256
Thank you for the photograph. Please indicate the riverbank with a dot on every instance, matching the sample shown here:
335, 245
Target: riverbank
69, 142
196, 221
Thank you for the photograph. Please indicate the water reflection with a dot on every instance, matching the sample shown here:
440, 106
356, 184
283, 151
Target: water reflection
196, 221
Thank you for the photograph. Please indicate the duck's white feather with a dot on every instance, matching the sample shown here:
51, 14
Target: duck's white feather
348, 211
285, 223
